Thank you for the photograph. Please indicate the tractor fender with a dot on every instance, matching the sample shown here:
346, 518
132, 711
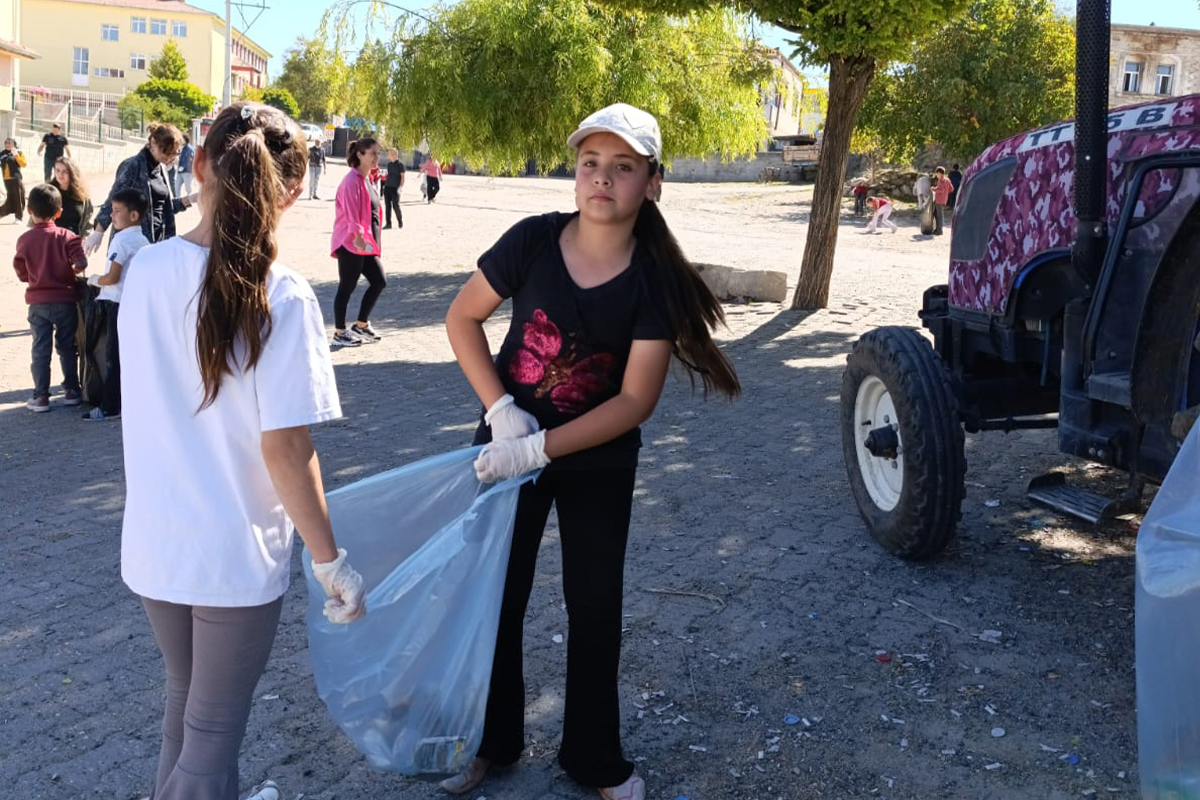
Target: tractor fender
1167, 329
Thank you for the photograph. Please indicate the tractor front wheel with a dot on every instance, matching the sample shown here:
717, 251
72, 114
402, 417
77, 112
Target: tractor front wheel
903, 442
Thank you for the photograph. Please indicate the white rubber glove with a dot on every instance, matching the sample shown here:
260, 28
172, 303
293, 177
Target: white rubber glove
93, 280
344, 586
508, 458
92, 243
508, 421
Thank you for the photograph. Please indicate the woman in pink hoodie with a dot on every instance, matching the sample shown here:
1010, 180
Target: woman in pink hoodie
356, 243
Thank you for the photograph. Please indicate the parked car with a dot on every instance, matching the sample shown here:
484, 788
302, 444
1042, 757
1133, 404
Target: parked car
315, 133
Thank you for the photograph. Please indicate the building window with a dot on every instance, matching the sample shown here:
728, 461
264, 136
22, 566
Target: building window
137, 24
79, 66
109, 33
179, 29
137, 60
1163, 82
158, 27
1133, 77
109, 72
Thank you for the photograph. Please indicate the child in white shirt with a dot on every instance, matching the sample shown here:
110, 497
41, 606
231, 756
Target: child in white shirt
128, 208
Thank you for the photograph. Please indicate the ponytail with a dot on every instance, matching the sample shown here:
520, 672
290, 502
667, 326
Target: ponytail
253, 159
692, 309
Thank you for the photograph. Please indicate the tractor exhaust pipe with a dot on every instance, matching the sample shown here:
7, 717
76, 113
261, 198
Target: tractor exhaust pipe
1092, 33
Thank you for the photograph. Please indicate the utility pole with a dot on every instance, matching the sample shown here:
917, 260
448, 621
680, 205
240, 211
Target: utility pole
226, 96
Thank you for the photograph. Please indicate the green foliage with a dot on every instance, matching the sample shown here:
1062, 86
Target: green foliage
186, 98
282, 99
170, 64
136, 110
316, 76
1004, 67
499, 82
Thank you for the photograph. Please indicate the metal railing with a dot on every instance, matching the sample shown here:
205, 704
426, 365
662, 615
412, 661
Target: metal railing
85, 116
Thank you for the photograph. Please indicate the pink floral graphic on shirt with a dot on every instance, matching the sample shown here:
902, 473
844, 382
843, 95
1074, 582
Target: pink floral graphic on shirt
573, 383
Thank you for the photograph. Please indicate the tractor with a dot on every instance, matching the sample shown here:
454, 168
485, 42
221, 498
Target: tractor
1072, 303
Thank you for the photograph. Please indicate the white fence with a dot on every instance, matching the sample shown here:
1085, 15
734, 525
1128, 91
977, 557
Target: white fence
84, 116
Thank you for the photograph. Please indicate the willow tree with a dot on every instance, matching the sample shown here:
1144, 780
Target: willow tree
851, 39
498, 83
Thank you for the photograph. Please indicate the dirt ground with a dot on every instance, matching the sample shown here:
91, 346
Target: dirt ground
772, 649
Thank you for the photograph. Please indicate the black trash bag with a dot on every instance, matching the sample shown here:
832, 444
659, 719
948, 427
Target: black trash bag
91, 355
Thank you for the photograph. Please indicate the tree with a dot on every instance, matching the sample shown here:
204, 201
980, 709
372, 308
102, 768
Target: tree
315, 76
163, 100
503, 82
942, 93
853, 38
274, 96
170, 64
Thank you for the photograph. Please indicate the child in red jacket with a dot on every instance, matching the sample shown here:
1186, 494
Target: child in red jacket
48, 258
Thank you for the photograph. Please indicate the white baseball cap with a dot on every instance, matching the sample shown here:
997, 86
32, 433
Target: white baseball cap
638, 128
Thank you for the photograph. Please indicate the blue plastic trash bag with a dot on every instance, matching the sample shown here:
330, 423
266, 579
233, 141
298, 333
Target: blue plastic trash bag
1168, 634
408, 683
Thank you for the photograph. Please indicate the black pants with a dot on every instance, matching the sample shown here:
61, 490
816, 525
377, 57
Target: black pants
939, 211
14, 200
391, 199
350, 267
111, 404
432, 187
48, 164
593, 519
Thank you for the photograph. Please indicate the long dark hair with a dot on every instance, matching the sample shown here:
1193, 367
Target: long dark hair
692, 309
77, 190
254, 156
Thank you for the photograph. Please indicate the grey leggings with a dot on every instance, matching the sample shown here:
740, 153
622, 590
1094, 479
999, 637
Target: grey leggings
214, 658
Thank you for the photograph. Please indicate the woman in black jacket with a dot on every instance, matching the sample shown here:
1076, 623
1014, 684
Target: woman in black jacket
76, 203
146, 171
11, 161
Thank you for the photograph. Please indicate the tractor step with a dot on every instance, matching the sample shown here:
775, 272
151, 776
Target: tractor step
1052, 490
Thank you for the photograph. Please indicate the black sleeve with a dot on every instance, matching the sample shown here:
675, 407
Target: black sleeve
46, 139
650, 320
506, 263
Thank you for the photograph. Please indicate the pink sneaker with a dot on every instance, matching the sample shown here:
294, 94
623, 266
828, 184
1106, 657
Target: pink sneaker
634, 788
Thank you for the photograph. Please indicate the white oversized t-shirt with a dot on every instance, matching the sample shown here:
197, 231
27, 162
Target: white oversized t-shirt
123, 246
203, 524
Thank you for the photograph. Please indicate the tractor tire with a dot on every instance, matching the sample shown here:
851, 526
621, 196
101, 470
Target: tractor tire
898, 388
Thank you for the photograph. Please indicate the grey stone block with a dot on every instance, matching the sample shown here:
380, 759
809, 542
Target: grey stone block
728, 283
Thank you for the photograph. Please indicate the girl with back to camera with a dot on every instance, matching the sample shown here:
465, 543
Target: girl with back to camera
602, 299
225, 367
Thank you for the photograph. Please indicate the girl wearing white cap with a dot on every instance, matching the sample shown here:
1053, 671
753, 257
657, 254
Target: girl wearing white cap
602, 299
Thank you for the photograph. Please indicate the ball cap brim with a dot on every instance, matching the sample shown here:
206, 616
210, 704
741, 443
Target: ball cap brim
638, 128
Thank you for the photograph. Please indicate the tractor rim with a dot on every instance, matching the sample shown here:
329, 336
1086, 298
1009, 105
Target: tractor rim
883, 477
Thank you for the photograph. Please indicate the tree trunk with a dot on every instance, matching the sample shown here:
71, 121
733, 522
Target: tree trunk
849, 78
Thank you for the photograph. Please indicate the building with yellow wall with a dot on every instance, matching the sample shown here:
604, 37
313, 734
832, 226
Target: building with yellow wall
12, 53
107, 45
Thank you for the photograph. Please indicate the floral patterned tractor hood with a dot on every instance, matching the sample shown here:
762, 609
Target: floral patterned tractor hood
1015, 209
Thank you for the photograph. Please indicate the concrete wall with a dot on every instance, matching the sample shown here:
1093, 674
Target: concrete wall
1153, 46
767, 165
695, 170
92, 158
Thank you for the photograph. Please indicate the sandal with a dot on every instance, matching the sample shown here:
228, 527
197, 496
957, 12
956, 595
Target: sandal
469, 778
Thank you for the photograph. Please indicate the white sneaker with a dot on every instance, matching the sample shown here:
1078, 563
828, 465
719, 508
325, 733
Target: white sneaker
267, 790
634, 788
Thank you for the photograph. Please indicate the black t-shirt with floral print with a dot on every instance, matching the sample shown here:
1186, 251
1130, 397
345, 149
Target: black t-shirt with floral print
567, 347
